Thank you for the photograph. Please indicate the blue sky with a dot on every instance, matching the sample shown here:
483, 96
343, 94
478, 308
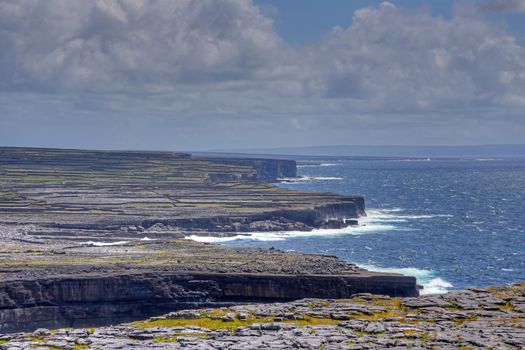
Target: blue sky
303, 21
223, 74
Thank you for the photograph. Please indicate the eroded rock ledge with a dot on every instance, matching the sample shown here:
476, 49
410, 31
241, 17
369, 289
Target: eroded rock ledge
109, 193
78, 284
490, 318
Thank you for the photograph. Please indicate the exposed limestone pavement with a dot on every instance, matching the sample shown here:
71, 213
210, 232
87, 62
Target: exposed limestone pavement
98, 237
491, 318
75, 193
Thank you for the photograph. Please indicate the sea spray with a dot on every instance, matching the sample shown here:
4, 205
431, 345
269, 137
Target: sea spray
376, 221
426, 278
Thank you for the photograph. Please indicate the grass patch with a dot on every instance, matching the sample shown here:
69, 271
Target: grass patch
204, 322
374, 317
208, 321
454, 307
174, 338
506, 307
314, 321
80, 346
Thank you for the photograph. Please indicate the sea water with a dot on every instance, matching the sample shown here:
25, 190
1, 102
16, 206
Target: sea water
450, 223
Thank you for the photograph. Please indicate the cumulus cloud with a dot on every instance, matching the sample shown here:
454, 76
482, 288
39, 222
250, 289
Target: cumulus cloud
216, 63
155, 44
410, 59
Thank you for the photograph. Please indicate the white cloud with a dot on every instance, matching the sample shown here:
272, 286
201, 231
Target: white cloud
411, 60
155, 44
199, 65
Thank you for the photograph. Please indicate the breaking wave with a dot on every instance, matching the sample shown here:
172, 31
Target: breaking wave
309, 179
377, 221
426, 278
104, 244
282, 235
317, 165
395, 215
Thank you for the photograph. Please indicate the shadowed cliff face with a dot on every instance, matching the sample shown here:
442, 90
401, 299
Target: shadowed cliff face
71, 283
488, 318
268, 170
97, 300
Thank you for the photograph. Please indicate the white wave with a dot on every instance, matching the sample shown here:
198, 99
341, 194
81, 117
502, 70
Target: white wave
419, 274
380, 215
309, 178
316, 165
283, 235
147, 239
376, 221
436, 286
104, 244
426, 278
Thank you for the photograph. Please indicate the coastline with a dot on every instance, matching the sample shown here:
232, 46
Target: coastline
72, 261
69, 214
488, 318
376, 221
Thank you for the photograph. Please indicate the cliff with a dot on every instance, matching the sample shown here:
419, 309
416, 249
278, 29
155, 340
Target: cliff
268, 170
488, 318
69, 282
97, 237
92, 300
114, 192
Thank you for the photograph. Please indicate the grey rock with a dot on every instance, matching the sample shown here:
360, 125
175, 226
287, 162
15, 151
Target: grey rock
41, 332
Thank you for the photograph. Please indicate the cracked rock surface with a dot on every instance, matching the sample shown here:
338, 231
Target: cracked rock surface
490, 318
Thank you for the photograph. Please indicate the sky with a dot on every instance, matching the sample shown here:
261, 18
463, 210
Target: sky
226, 74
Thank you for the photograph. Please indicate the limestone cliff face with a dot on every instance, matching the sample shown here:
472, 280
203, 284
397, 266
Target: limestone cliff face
96, 300
268, 170
283, 219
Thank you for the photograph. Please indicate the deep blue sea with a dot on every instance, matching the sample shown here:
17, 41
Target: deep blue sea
450, 223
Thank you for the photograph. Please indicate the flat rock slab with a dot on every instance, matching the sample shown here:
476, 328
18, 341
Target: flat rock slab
383, 323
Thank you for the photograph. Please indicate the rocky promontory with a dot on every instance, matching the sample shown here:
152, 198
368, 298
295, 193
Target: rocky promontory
113, 193
93, 238
73, 283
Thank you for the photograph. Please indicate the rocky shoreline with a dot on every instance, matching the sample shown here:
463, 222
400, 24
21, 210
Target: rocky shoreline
97, 238
50, 192
489, 318
73, 284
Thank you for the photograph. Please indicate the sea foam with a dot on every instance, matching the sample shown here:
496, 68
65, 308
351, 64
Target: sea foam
426, 278
376, 221
300, 179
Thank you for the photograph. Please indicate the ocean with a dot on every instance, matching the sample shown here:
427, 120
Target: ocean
452, 224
